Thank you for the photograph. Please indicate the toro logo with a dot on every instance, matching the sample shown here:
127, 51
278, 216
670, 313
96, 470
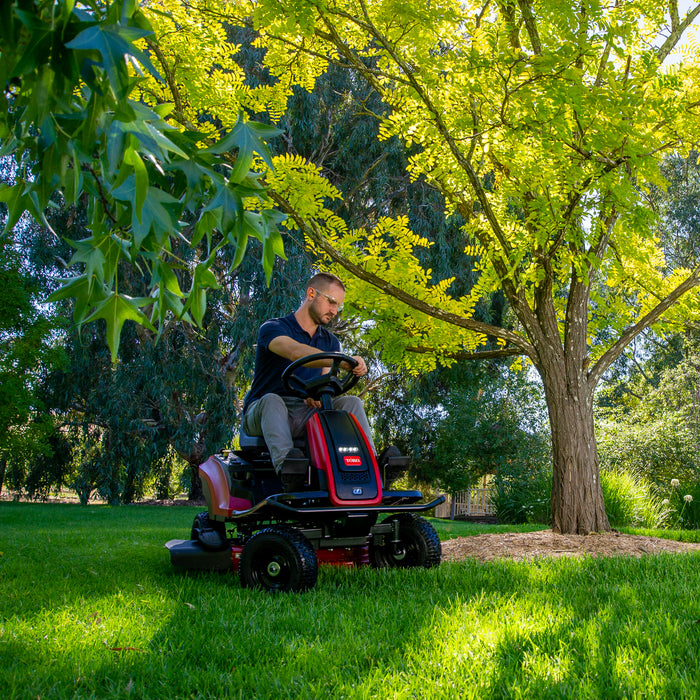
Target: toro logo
352, 461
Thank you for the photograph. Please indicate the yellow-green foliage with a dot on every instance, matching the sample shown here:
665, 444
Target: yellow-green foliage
564, 108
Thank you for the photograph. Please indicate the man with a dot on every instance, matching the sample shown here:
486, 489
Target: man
269, 410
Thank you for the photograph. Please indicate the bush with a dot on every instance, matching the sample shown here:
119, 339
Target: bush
658, 450
523, 495
682, 498
630, 500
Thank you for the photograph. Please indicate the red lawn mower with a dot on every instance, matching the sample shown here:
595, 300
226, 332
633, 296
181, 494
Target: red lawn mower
276, 540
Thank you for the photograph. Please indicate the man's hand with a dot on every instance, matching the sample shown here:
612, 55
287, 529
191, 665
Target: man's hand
312, 403
360, 368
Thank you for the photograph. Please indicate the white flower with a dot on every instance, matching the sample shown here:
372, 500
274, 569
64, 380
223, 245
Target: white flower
665, 502
688, 498
675, 483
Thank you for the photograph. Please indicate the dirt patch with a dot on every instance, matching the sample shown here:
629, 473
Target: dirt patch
531, 545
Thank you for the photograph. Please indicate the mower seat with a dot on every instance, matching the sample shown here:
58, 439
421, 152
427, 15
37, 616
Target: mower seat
256, 443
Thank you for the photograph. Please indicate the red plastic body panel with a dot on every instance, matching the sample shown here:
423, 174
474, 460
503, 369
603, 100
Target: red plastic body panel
344, 556
318, 450
338, 556
216, 490
236, 550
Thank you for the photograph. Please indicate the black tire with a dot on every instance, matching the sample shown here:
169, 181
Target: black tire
278, 559
211, 534
201, 522
419, 545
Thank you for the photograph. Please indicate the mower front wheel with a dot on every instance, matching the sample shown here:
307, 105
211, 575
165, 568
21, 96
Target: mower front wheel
278, 559
418, 544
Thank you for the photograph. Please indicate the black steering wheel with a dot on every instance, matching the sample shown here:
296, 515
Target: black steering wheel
330, 384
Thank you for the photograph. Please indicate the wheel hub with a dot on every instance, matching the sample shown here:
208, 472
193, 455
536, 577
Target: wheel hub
399, 552
274, 568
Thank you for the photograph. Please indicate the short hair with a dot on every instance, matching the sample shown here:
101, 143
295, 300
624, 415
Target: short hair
325, 280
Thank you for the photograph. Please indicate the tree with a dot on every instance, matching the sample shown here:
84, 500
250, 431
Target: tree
26, 354
542, 125
68, 71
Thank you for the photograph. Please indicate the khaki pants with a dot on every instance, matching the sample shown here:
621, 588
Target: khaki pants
280, 419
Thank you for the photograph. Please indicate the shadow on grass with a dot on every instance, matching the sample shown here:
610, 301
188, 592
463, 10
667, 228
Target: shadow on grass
114, 620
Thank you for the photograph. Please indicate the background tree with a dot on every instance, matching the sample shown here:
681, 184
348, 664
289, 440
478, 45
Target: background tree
648, 405
542, 126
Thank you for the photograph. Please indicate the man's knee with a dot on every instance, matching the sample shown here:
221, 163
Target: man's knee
272, 402
268, 407
351, 404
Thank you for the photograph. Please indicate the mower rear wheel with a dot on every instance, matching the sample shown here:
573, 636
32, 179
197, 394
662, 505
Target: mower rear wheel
418, 545
211, 534
278, 559
201, 522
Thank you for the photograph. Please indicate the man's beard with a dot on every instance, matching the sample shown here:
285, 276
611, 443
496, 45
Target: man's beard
318, 318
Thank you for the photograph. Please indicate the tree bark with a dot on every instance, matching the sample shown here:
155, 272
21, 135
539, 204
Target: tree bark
577, 496
196, 492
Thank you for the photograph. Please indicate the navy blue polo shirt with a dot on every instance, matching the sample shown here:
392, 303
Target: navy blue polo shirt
269, 366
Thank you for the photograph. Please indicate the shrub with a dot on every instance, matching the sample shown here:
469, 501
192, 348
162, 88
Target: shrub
630, 500
523, 495
658, 450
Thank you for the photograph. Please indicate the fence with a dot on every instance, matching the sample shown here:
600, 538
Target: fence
474, 503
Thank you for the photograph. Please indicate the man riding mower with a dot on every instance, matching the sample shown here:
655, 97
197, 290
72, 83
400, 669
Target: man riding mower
276, 539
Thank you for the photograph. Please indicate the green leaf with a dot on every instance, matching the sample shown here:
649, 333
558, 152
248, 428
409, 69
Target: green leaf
164, 277
14, 198
87, 251
141, 179
80, 289
229, 203
114, 42
248, 137
116, 309
160, 211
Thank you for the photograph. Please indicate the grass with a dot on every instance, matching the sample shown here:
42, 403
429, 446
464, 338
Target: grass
90, 608
677, 535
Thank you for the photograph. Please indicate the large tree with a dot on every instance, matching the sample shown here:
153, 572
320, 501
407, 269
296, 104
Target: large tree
541, 124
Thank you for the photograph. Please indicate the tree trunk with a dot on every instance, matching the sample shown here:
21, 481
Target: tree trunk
577, 497
196, 493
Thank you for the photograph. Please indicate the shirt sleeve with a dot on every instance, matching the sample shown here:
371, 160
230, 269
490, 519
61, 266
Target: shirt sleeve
269, 331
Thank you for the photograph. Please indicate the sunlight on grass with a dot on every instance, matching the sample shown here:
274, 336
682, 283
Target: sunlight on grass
90, 607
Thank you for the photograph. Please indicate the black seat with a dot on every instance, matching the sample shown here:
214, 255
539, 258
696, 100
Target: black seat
257, 442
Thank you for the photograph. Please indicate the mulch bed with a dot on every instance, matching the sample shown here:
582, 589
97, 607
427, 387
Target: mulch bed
532, 545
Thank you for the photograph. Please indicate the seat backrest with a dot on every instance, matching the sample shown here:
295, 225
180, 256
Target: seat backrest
215, 486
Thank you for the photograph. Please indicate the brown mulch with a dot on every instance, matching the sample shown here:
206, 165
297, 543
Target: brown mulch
532, 545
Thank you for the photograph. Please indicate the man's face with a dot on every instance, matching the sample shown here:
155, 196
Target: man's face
326, 303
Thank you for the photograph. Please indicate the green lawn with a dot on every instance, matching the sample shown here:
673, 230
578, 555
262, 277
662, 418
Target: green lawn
90, 608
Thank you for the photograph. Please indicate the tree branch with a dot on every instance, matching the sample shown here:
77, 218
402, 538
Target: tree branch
476, 355
529, 21
677, 29
309, 229
633, 331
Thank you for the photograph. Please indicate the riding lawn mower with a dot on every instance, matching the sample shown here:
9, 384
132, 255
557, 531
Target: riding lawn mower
276, 540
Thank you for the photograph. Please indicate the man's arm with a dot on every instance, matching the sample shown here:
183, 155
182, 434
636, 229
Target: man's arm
292, 350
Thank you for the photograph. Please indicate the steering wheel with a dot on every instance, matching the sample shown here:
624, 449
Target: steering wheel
330, 383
